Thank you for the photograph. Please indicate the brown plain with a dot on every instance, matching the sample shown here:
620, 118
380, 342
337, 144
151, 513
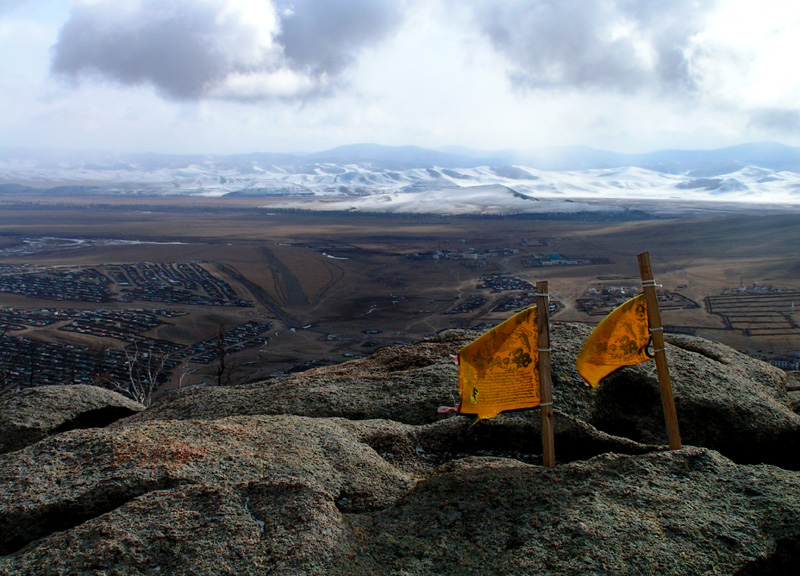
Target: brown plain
347, 283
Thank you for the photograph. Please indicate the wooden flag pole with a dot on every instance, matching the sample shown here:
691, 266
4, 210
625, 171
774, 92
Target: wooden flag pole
657, 334
546, 390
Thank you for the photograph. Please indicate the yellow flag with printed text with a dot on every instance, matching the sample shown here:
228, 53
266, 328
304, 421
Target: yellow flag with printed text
499, 370
621, 339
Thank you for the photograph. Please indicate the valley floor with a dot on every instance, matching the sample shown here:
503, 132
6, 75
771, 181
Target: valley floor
276, 290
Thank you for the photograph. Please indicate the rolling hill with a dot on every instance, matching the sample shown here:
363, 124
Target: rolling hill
411, 179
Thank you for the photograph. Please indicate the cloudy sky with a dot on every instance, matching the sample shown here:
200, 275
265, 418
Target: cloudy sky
230, 76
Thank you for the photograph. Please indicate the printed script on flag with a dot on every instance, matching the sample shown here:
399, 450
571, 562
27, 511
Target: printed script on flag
621, 339
499, 370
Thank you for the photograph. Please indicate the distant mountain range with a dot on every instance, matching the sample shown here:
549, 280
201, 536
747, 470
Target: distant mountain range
764, 172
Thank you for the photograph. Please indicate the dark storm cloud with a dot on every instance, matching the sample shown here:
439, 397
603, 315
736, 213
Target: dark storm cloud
324, 36
162, 42
619, 44
191, 49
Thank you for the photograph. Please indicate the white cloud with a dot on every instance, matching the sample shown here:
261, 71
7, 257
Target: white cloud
759, 47
191, 49
281, 83
625, 45
182, 47
745, 61
238, 75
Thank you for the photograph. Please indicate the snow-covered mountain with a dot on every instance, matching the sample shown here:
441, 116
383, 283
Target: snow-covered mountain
409, 179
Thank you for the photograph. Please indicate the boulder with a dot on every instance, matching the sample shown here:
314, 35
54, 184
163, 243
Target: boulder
30, 414
65, 480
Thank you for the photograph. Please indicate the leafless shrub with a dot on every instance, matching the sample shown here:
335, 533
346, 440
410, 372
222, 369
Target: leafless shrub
144, 369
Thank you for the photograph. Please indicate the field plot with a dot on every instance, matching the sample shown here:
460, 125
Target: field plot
601, 302
300, 275
758, 314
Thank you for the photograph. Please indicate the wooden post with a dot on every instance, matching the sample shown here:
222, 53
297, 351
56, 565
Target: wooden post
657, 334
546, 390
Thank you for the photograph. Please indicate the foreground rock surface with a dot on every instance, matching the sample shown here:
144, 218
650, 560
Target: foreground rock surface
325, 503
28, 415
656, 514
350, 470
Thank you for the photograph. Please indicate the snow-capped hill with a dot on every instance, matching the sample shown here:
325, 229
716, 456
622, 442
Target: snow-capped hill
750, 184
489, 199
409, 178
715, 185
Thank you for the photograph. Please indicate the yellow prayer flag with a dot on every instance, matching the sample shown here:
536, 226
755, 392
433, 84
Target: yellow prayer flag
499, 370
621, 339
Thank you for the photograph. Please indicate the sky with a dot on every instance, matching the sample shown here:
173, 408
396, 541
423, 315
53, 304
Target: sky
238, 76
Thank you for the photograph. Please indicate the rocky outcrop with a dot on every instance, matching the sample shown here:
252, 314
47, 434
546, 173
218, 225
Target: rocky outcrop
350, 470
613, 514
27, 416
725, 400
402, 383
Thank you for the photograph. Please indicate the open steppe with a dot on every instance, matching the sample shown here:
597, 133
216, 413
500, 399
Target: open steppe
338, 285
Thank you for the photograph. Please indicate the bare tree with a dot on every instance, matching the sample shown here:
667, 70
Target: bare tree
225, 366
184, 373
144, 370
